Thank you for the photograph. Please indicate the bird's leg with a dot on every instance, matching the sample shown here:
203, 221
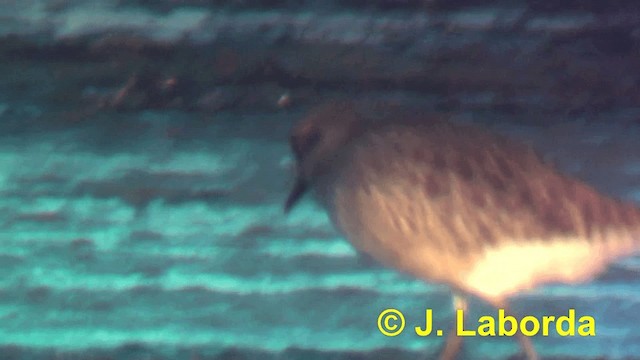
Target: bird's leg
454, 342
525, 341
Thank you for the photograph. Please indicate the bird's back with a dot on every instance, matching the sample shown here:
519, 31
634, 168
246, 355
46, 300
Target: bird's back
456, 204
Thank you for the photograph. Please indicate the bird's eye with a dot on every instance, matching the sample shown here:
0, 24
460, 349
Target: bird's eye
303, 142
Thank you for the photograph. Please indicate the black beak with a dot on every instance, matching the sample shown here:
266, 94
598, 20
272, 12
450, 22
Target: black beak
298, 190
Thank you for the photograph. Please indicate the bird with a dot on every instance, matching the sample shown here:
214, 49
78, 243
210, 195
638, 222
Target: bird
453, 203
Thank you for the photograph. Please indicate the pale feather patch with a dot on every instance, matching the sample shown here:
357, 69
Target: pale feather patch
516, 266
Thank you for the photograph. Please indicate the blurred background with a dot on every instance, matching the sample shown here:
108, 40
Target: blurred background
144, 163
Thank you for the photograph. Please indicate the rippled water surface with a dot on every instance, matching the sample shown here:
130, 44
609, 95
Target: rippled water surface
158, 234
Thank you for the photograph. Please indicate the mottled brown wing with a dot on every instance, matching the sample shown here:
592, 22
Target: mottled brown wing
489, 189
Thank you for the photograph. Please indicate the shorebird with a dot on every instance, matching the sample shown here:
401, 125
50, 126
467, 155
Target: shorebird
455, 204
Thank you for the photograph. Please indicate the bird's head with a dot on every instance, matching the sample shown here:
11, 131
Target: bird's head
316, 142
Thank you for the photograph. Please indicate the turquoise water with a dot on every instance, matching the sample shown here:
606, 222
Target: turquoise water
121, 238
